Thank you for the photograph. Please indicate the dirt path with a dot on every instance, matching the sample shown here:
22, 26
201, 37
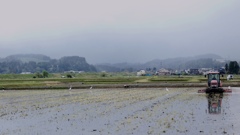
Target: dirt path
119, 111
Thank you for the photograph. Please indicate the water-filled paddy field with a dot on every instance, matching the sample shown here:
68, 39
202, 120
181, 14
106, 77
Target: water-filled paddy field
137, 111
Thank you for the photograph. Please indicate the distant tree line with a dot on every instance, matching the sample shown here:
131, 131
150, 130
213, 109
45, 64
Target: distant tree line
232, 67
75, 63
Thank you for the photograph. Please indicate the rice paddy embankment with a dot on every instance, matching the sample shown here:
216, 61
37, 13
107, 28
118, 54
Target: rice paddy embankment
110, 80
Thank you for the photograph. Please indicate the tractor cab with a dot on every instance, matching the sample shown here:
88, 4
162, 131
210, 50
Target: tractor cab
214, 82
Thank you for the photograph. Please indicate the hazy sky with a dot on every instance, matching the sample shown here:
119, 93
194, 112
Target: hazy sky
120, 30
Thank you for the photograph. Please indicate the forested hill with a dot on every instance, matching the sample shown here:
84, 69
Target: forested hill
37, 63
27, 58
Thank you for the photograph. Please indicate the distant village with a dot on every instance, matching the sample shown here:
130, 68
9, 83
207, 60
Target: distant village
163, 71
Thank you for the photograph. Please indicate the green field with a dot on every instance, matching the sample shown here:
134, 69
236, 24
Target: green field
84, 80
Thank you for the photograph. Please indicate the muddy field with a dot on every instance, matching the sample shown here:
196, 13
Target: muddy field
119, 111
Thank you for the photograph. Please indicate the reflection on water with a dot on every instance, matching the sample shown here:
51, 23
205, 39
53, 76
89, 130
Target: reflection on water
214, 103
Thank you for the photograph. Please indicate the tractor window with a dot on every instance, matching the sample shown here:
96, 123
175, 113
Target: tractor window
213, 77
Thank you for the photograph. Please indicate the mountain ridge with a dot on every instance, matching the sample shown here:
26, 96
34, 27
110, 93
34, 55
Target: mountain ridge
37, 63
27, 58
198, 61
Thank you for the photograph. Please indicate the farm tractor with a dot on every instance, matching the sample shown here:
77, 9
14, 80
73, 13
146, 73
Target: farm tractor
214, 84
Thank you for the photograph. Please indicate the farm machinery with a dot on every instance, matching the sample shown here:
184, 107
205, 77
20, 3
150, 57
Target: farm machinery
214, 84
214, 103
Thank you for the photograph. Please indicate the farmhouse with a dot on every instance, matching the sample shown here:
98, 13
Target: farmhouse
141, 73
163, 71
194, 72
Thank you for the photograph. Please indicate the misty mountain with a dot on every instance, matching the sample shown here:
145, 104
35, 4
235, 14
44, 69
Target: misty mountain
200, 61
27, 58
37, 63
206, 56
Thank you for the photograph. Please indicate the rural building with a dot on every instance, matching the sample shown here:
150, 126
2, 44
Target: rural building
141, 73
72, 71
186, 72
26, 73
163, 71
194, 72
205, 71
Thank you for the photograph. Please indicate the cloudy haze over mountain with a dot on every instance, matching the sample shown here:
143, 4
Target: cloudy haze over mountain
120, 31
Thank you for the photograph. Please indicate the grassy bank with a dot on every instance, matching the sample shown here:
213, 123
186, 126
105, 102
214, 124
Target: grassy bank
102, 80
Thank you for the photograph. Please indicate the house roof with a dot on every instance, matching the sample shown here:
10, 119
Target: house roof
163, 70
214, 72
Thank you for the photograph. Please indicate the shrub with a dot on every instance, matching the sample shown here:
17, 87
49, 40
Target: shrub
69, 76
103, 75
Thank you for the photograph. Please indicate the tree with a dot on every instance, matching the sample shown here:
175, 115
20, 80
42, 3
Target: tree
233, 67
69, 76
45, 74
39, 75
226, 67
103, 74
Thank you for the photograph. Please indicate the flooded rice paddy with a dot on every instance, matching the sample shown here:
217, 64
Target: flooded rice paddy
119, 111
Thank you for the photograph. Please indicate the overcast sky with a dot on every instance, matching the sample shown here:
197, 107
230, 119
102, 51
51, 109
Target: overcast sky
120, 30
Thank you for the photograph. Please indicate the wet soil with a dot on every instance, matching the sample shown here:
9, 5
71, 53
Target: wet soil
119, 111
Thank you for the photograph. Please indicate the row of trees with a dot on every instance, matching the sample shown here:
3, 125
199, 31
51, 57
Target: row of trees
75, 63
44, 74
232, 67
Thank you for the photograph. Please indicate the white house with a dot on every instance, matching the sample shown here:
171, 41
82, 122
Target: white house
141, 73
